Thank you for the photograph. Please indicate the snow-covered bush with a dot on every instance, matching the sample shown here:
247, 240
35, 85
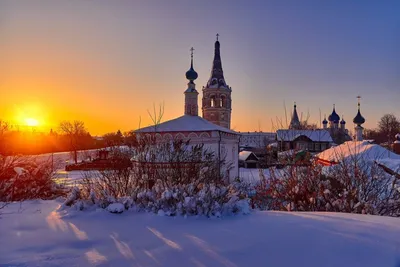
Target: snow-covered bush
363, 187
23, 178
169, 179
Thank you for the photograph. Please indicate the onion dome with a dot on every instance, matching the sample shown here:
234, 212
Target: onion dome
191, 74
342, 121
358, 119
334, 117
325, 121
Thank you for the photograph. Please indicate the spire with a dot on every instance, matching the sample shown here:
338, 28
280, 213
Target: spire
191, 106
217, 79
295, 122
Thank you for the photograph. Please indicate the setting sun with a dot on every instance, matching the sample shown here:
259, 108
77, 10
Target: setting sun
31, 122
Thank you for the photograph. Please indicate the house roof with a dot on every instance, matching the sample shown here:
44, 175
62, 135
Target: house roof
186, 123
244, 155
360, 149
318, 135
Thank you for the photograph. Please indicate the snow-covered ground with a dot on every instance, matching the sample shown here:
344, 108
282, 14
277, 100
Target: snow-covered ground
37, 234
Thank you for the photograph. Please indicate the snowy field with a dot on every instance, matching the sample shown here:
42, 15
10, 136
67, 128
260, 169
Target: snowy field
37, 234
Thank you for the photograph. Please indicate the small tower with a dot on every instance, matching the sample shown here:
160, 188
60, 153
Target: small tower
217, 102
325, 123
343, 125
191, 106
294, 122
334, 119
358, 121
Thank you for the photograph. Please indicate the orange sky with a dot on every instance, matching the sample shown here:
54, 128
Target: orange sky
107, 64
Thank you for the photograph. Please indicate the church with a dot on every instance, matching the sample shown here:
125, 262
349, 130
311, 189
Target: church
213, 128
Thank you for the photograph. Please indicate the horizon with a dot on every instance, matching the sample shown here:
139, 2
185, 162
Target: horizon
106, 63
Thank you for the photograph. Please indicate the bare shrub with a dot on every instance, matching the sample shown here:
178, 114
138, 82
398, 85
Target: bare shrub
354, 186
23, 178
172, 177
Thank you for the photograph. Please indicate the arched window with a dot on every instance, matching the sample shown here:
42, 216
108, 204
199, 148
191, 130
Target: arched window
192, 136
222, 102
167, 137
204, 135
179, 136
212, 101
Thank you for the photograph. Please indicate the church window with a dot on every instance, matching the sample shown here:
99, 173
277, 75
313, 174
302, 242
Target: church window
212, 102
223, 101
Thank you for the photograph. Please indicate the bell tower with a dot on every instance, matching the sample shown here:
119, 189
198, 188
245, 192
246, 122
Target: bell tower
217, 102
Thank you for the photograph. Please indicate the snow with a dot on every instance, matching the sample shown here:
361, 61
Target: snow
318, 135
36, 233
186, 123
243, 155
393, 164
115, 208
360, 149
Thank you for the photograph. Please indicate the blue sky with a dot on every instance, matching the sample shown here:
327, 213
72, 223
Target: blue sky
123, 56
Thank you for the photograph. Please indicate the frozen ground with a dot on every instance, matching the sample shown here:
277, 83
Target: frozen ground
36, 234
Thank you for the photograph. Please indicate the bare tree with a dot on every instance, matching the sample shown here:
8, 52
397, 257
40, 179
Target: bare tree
74, 131
388, 126
156, 117
4, 128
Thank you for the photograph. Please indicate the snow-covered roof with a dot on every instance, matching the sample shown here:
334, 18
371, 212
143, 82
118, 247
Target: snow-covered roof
243, 155
256, 134
364, 149
317, 135
393, 164
186, 123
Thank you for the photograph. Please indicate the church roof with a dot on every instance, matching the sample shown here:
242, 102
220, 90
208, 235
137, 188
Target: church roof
294, 122
217, 79
186, 123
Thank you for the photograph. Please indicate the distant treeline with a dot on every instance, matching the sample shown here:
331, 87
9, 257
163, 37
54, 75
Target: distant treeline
32, 143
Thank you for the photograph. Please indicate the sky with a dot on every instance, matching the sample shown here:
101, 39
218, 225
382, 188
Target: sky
108, 62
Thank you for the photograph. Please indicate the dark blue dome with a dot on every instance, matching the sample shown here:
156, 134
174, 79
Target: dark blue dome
334, 117
191, 74
358, 119
342, 121
324, 121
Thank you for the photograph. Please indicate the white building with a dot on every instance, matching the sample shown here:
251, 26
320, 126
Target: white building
218, 139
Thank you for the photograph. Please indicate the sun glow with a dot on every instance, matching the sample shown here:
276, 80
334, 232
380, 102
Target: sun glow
31, 122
